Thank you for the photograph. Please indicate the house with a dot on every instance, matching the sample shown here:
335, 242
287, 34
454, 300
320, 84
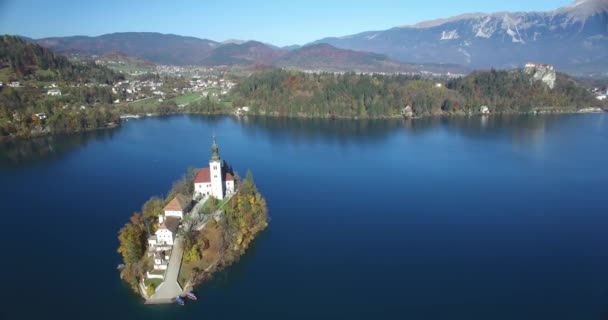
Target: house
152, 241
160, 261
41, 116
54, 92
165, 235
14, 84
217, 180
484, 110
532, 65
407, 112
177, 206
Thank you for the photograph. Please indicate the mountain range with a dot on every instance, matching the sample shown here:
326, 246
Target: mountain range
177, 50
573, 38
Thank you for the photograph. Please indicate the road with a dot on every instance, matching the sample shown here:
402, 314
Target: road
170, 288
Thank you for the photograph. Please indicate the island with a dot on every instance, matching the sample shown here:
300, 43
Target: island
207, 221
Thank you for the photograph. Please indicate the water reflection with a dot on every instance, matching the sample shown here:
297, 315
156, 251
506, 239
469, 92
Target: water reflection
295, 130
26, 151
523, 131
527, 130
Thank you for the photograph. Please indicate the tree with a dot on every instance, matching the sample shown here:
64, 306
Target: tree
132, 240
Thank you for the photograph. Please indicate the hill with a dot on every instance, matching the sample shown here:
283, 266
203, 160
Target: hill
123, 63
51, 94
21, 60
250, 52
155, 47
575, 35
325, 57
351, 95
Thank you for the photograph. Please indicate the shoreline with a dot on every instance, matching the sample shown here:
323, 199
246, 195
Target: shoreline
394, 117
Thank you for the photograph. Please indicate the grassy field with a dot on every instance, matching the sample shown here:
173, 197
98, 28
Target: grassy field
154, 282
187, 98
127, 68
226, 104
145, 105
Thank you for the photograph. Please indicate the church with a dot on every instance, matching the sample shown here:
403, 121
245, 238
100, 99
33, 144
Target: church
216, 180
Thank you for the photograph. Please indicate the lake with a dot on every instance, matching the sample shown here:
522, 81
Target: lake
460, 218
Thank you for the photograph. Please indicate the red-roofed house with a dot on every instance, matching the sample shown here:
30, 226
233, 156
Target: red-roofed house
214, 181
177, 206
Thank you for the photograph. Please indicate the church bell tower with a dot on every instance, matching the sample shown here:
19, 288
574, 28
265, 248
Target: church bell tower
215, 171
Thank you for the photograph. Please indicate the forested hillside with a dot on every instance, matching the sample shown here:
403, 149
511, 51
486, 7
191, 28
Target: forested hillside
509, 91
289, 93
67, 96
20, 60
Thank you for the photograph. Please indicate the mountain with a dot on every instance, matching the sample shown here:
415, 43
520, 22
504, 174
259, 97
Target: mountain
250, 52
177, 50
154, 47
329, 58
574, 38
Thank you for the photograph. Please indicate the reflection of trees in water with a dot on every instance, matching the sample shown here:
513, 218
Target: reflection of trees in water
525, 129
20, 152
281, 130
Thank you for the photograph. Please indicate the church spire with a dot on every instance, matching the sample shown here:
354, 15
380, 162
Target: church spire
215, 155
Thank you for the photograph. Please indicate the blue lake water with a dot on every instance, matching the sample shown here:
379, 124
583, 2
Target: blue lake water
463, 218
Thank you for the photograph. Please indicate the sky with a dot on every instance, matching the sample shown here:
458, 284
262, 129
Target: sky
280, 23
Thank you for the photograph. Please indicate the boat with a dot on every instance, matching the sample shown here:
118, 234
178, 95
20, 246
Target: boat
179, 300
190, 295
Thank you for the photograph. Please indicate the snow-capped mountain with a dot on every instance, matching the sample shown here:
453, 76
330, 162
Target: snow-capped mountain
574, 38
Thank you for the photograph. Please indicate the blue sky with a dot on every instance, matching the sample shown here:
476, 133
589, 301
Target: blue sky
277, 22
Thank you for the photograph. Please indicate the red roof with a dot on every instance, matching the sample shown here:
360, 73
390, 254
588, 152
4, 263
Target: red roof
229, 177
204, 176
179, 203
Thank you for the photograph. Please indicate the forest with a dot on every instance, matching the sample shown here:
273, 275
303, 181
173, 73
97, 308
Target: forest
83, 85
351, 95
29, 61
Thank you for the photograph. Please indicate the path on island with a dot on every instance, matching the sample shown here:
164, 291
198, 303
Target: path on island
170, 288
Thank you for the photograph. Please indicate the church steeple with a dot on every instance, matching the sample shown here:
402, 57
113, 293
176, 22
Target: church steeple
215, 155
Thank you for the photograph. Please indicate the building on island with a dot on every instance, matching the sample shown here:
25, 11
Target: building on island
217, 180
165, 235
532, 65
177, 206
161, 260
